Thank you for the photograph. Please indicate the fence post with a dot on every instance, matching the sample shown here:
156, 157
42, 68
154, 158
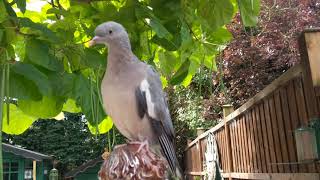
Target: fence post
309, 50
228, 109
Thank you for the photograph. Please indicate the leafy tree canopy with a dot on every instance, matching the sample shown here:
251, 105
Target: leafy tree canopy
69, 141
49, 68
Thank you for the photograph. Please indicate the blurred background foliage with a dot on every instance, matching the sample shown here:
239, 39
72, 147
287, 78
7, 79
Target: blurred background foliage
49, 68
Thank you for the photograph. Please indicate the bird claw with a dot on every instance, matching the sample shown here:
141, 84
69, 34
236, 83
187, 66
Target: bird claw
141, 145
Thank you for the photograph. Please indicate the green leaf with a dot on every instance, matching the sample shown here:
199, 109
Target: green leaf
38, 52
86, 96
215, 13
168, 62
71, 106
147, 15
32, 73
249, 11
1, 35
168, 44
103, 127
3, 14
9, 9
164, 82
65, 4
94, 59
47, 107
57, 11
185, 36
220, 36
181, 74
21, 5
62, 83
194, 66
18, 121
37, 29
22, 88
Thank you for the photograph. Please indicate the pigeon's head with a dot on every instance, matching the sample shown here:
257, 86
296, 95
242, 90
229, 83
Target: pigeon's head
111, 34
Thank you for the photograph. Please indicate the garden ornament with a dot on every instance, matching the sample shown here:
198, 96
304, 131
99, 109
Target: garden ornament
132, 95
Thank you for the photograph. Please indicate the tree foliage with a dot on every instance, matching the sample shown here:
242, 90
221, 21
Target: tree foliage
50, 63
257, 56
69, 141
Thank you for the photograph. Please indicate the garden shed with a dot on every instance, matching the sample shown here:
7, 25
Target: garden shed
23, 164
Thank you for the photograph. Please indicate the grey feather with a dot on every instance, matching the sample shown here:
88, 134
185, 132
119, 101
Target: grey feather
141, 102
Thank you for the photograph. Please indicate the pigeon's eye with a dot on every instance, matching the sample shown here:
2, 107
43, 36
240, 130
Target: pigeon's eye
110, 31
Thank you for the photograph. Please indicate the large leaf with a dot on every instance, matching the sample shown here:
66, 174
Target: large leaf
71, 106
3, 11
21, 5
103, 127
18, 121
94, 59
22, 88
37, 29
32, 73
38, 52
145, 13
47, 107
216, 12
62, 83
9, 9
181, 74
86, 96
168, 62
249, 10
219, 36
172, 44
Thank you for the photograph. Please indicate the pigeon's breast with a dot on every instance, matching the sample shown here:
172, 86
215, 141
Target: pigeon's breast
119, 102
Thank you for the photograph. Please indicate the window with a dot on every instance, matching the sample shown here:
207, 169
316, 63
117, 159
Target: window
10, 170
28, 169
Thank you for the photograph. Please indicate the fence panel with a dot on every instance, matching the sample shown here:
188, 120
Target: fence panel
257, 140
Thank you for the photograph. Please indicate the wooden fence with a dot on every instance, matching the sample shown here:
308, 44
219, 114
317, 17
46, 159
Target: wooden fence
257, 140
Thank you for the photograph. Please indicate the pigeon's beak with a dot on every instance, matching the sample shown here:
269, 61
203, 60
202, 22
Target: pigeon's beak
94, 41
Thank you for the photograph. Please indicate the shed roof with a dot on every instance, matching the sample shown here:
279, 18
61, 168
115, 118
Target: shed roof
24, 152
83, 167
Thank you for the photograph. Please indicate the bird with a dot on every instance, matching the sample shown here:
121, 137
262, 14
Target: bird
133, 96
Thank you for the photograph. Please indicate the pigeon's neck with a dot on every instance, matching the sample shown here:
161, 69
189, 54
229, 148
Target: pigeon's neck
118, 58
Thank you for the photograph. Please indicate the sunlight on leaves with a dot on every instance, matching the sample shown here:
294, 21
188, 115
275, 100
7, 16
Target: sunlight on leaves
19, 121
103, 127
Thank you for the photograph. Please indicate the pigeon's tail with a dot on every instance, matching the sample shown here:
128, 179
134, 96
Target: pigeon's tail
169, 152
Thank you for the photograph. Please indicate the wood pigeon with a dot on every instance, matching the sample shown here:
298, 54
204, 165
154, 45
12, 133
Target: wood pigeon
133, 97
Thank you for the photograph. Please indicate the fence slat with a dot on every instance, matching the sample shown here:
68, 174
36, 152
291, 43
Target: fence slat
270, 134
249, 142
288, 128
256, 140
236, 150
245, 138
260, 137
242, 147
303, 113
253, 143
275, 134
232, 135
265, 138
282, 134
294, 117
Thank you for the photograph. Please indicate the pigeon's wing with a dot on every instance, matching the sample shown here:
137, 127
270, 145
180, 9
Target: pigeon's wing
151, 102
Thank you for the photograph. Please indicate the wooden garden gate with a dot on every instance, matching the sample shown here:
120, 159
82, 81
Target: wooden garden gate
257, 141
